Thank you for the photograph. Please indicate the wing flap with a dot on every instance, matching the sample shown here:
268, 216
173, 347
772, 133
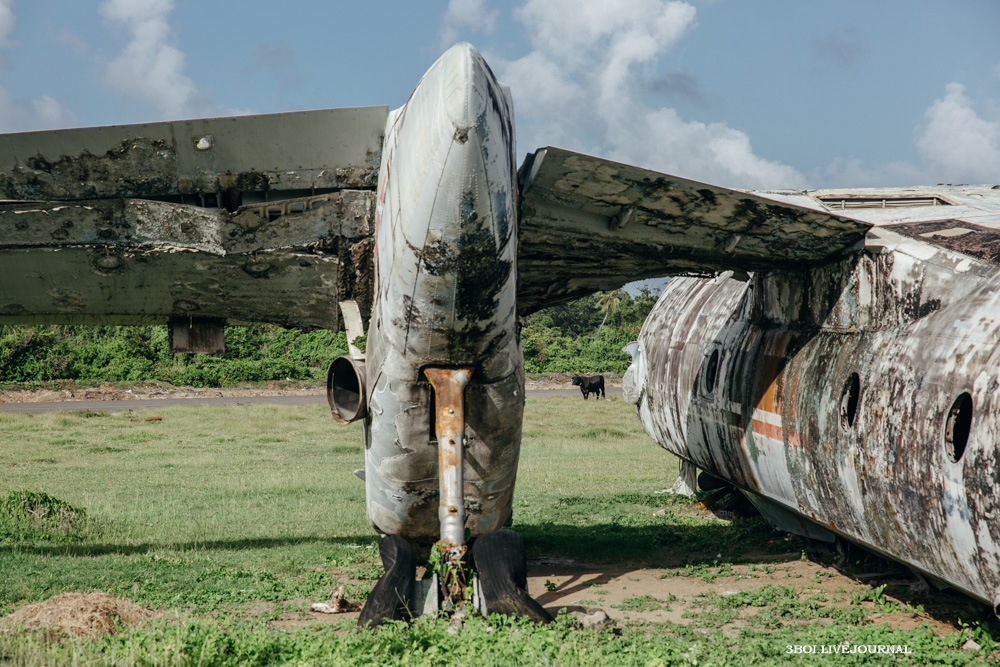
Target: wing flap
591, 224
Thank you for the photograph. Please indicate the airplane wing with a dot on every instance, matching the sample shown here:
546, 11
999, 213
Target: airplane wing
589, 224
243, 219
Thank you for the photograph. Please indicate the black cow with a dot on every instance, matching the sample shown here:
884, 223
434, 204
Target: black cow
590, 383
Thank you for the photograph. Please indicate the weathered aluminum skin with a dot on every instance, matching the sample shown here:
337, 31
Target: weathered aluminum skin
329, 149
599, 224
445, 296
750, 381
246, 219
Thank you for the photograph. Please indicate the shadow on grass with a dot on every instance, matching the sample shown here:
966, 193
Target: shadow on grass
664, 545
604, 551
84, 549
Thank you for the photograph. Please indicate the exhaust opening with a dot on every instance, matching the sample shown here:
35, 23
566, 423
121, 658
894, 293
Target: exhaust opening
345, 389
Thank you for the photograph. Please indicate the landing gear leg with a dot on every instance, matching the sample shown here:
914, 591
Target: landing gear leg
449, 427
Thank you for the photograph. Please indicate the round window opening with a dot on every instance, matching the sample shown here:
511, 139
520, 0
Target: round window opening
711, 372
849, 401
957, 426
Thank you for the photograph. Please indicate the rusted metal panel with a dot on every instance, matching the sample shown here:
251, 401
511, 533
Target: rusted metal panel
600, 224
245, 219
834, 388
449, 429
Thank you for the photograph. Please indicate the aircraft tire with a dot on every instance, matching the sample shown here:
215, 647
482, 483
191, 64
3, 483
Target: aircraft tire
498, 557
390, 598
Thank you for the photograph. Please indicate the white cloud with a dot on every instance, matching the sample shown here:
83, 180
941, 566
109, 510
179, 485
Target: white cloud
582, 88
149, 70
43, 113
957, 145
463, 16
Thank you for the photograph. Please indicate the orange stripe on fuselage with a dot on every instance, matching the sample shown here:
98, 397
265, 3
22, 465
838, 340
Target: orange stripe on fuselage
767, 430
769, 400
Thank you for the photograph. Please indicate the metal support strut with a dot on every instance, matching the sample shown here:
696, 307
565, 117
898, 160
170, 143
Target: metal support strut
449, 426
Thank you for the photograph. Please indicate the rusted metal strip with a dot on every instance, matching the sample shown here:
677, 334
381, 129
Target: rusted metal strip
449, 426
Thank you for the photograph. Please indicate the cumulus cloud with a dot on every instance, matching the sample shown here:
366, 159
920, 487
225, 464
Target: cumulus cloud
16, 115
956, 143
149, 70
43, 113
464, 16
584, 83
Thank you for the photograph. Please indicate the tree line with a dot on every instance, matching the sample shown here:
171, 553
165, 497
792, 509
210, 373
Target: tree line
584, 336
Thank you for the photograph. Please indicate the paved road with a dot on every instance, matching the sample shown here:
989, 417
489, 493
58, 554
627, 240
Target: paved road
160, 403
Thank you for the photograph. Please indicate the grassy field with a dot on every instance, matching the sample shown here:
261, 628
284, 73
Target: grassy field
229, 522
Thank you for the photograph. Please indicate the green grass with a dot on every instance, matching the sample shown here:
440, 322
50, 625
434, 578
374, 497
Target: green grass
226, 519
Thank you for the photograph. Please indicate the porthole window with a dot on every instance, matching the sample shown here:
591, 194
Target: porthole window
711, 372
849, 401
957, 426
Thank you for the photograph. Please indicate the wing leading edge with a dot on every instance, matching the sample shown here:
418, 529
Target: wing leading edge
589, 224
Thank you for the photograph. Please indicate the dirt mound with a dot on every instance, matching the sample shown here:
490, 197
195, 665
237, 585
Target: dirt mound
77, 615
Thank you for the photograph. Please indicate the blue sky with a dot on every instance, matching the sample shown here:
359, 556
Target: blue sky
769, 93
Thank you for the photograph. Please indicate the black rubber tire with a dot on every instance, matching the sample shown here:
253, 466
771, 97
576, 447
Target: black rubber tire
498, 557
390, 599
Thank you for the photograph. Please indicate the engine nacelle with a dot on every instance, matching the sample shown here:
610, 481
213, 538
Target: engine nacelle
345, 389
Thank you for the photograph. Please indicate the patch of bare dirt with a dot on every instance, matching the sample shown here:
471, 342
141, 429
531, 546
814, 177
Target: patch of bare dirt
672, 595
689, 596
77, 615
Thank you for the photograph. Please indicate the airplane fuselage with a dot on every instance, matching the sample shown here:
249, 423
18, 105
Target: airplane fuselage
856, 398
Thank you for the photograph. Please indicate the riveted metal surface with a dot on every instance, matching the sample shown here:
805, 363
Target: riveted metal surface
329, 149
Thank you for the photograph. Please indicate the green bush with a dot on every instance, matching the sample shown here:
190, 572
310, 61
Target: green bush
570, 338
36, 354
583, 336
